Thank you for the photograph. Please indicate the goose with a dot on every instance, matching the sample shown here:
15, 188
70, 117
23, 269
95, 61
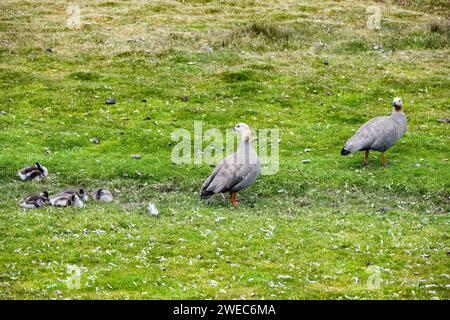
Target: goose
80, 192
32, 172
34, 200
102, 195
237, 171
66, 200
379, 133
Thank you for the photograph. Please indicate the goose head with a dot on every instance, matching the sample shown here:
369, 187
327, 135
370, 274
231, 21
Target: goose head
82, 194
41, 168
397, 104
44, 196
244, 130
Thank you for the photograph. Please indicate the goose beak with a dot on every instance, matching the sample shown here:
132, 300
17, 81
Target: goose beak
394, 104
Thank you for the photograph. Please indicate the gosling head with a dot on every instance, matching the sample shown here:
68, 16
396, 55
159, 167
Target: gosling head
43, 170
243, 130
44, 196
82, 194
76, 201
397, 104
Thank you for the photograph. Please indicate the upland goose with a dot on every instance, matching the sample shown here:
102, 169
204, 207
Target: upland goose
32, 172
102, 195
66, 200
379, 133
34, 200
80, 192
237, 171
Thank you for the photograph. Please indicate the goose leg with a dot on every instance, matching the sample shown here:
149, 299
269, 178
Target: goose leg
366, 157
233, 199
383, 160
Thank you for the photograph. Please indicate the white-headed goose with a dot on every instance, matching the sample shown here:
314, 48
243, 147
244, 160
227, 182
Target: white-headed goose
378, 134
237, 171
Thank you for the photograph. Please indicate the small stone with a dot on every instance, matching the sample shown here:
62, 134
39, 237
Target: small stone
147, 118
95, 140
144, 100
185, 98
199, 257
443, 119
378, 47
383, 209
207, 48
320, 44
307, 150
152, 210
306, 161
213, 283
121, 133
3, 113
326, 62
136, 156
49, 50
110, 101
125, 119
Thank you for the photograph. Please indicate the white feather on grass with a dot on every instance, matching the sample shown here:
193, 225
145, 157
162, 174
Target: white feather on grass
152, 210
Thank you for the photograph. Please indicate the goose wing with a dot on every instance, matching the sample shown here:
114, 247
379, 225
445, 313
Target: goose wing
372, 131
227, 176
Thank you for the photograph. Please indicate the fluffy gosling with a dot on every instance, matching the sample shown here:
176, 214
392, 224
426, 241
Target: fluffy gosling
34, 200
66, 200
32, 172
102, 195
80, 192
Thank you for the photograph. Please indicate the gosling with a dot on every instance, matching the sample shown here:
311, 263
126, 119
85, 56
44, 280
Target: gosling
32, 172
66, 200
80, 192
34, 200
102, 195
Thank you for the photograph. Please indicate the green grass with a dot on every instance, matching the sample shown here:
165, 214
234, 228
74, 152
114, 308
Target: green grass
312, 231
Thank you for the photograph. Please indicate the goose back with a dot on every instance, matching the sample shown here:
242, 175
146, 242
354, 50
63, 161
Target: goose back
234, 173
379, 133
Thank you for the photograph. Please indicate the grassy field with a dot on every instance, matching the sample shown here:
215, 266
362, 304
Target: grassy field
317, 230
